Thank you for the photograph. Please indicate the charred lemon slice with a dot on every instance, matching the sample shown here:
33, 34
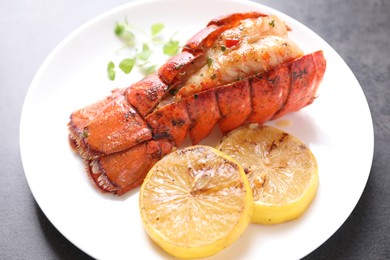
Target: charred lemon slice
281, 170
195, 202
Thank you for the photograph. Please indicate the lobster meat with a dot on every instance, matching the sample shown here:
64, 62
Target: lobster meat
240, 68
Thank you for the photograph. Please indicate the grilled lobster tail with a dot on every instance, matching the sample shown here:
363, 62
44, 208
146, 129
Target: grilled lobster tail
254, 76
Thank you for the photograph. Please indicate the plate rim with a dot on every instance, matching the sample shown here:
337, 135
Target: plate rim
34, 85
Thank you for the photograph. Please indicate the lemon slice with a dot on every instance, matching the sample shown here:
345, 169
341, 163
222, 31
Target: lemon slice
195, 202
281, 170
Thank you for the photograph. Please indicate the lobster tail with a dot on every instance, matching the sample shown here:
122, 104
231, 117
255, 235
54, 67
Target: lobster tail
116, 173
240, 69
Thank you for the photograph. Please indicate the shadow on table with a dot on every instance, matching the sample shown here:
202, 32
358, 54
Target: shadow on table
351, 234
62, 248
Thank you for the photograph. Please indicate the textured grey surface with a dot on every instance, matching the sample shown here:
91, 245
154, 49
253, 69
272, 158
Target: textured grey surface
358, 30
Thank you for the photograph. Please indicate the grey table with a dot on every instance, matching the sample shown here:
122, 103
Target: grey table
359, 30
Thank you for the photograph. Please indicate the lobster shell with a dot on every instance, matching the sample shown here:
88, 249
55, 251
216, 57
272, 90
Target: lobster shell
121, 137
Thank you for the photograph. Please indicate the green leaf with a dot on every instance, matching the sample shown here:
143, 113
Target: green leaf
119, 29
122, 31
126, 65
128, 38
146, 70
156, 28
171, 48
146, 52
111, 70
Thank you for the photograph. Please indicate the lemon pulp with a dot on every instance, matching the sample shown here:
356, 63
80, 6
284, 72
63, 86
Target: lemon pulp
195, 202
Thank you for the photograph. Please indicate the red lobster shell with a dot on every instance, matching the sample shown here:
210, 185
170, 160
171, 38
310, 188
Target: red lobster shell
121, 137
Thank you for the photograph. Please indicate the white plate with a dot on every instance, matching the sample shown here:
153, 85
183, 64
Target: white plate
337, 127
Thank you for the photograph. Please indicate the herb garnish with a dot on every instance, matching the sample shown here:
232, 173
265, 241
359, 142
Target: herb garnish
141, 47
111, 70
85, 133
209, 61
173, 91
126, 65
171, 48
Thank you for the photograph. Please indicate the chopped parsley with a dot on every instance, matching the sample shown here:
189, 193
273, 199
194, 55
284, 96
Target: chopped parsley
178, 66
209, 61
173, 91
85, 133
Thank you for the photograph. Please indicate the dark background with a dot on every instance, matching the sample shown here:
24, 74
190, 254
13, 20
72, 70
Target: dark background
359, 30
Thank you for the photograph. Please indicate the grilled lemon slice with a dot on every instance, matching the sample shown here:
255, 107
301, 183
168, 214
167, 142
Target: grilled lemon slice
195, 202
281, 170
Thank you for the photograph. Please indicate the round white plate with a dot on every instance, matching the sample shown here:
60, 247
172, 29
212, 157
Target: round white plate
337, 127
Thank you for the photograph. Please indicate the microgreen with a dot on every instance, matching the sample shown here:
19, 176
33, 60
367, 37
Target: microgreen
148, 69
171, 48
111, 70
145, 53
156, 28
123, 32
126, 65
119, 29
141, 48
